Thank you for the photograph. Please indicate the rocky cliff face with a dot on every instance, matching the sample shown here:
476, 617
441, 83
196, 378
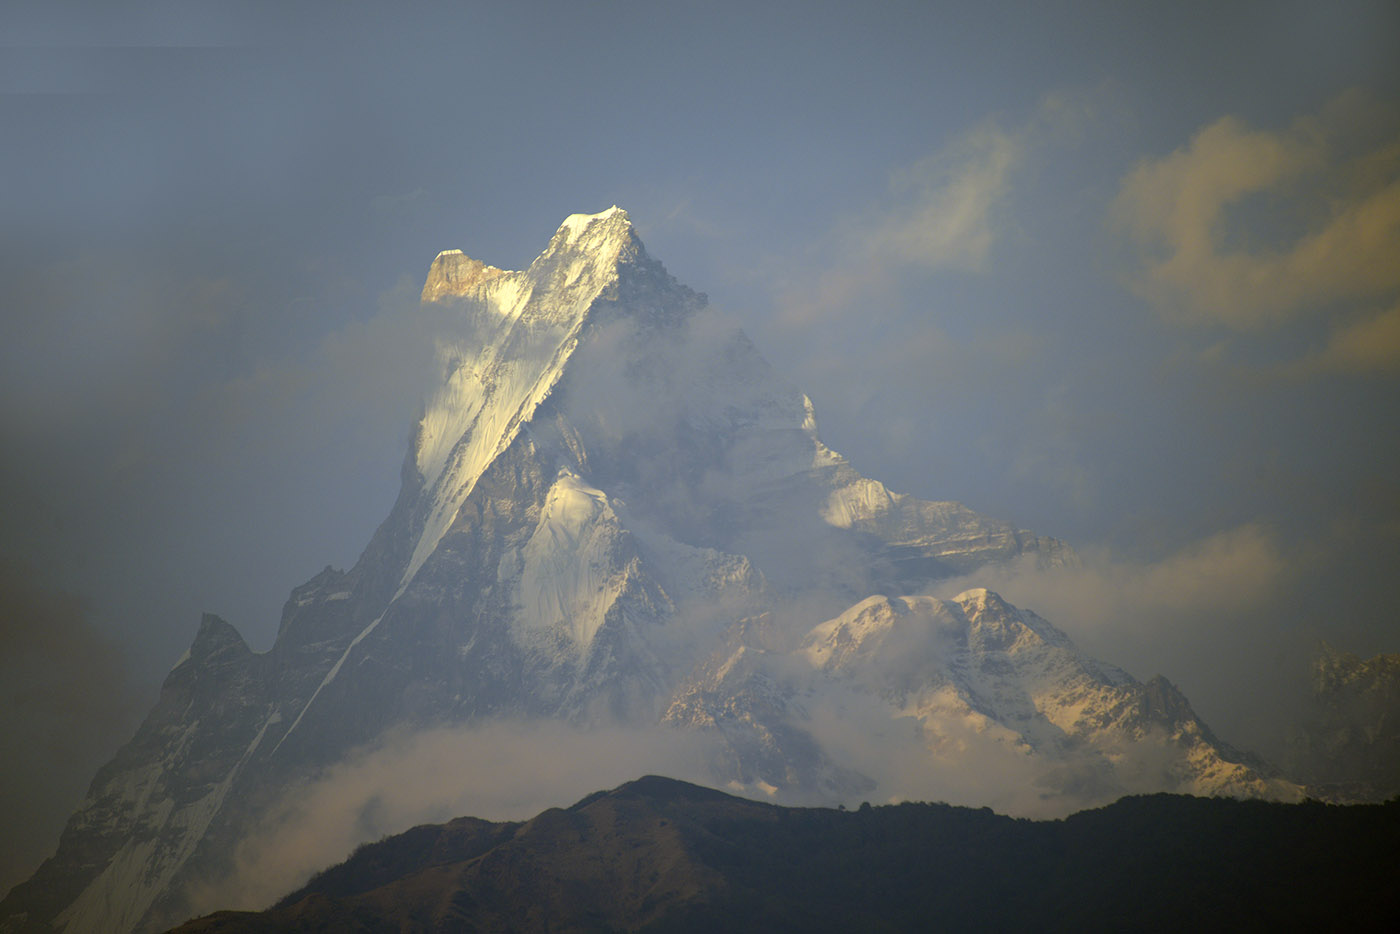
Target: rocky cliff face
613, 512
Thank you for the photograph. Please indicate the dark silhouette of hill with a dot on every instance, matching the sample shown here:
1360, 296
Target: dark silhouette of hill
662, 855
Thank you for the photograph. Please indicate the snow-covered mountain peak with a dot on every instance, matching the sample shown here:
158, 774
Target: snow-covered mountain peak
587, 247
576, 225
518, 332
995, 625
979, 602
583, 244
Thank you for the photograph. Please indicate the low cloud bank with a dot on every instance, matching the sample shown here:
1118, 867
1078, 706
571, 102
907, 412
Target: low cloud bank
1226, 572
497, 770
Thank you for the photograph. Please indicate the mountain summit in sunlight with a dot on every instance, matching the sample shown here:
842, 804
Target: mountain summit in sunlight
620, 544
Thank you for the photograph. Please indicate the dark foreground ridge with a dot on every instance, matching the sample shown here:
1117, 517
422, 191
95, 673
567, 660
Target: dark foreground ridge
663, 855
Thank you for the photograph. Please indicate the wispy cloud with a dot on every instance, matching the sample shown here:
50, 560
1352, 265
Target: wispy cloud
1369, 345
944, 207
1257, 230
943, 212
1229, 571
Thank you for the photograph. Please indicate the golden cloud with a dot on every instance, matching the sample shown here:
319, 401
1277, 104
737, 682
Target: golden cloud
1325, 246
1369, 345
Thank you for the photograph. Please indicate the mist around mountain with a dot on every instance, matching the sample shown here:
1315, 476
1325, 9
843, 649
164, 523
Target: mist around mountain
661, 855
620, 547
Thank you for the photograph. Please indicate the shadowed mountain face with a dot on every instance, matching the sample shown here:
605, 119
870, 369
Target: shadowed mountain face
614, 518
662, 855
1348, 745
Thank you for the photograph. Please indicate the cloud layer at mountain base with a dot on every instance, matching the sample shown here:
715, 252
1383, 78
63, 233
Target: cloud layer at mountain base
497, 770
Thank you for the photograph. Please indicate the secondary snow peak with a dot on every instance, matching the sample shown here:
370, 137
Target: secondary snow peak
454, 274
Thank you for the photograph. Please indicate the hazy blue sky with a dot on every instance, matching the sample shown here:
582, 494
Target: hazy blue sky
1125, 274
